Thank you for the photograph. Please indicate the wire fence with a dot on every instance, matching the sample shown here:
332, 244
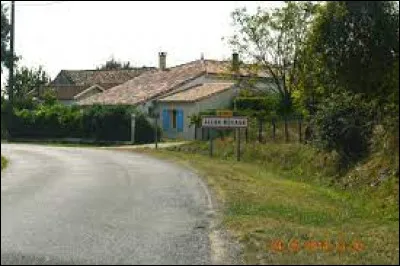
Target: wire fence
278, 130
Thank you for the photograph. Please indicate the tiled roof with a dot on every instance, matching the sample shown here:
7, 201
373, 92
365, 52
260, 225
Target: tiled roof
113, 77
63, 92
197, 93
152, 84
88, 90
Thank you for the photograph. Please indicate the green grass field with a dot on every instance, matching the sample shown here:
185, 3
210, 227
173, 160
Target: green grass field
282, 217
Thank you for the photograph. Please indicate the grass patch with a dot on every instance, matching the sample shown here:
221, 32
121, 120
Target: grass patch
4, 162
281, 195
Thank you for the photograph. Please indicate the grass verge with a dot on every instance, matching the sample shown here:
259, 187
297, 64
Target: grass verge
291, 216
4, 162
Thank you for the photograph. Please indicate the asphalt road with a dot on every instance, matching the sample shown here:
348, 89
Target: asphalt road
89, 206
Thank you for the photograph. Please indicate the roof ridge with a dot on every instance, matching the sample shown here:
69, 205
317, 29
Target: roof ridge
104, 70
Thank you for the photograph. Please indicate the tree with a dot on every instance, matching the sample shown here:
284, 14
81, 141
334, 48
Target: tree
274, 39
354, 47
113, 64
27, 83
5, 30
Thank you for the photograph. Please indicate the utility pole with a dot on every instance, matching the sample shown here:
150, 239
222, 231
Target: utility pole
11, 70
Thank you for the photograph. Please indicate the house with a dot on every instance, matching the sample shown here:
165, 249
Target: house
71, 86
178, 92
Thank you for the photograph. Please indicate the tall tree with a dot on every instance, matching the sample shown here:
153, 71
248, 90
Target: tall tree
5, 30
354, 46
274, 39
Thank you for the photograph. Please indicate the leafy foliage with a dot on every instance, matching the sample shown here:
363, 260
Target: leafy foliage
354, 46
100, 123
343, 123
260, 106
274, 39
113, 64
5, 30
27, 82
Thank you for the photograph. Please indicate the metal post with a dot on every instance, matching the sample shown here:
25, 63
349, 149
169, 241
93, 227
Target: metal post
211, 142
133, 121
238, 144
156, 133
273, 128
247, 134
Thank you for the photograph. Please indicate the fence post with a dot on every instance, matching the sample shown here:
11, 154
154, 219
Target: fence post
286, 129
273, 129
247, 134
238, 144
156, 131
300, 135
195, 132
260, 130
211, 142
133, 119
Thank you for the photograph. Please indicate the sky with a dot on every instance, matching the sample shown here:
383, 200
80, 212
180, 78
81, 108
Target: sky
83, 35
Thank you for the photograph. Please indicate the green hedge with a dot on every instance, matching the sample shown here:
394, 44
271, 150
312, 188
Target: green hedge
100, 123
259, 106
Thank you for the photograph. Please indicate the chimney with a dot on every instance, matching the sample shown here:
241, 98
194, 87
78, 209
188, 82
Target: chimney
235, 62
162, 60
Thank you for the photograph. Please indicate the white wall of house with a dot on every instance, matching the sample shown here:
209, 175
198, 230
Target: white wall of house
217, 101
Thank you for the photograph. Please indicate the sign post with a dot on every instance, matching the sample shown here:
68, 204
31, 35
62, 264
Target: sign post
211, 142
133, 117
156, 129
238, 145
218, 122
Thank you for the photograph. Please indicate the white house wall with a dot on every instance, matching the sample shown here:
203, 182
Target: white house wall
217, 101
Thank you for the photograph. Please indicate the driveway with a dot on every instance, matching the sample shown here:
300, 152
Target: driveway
90, 206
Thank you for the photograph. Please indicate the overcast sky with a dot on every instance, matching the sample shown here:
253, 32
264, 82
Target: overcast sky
82, 35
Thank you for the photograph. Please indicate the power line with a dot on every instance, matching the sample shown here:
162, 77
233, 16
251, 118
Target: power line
42, 4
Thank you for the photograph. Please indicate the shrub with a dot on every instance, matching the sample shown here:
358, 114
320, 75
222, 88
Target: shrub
270, 103
343, 123
101, 123
107, 122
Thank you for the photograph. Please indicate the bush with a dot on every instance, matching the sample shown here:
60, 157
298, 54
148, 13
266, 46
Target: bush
114, 123
100, 123
107, 122
54, 121
343, 123
260, 105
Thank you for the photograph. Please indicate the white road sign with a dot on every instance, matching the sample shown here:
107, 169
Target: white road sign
224, 122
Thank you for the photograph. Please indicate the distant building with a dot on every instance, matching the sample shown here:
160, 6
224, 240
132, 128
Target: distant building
73, 85
181, 91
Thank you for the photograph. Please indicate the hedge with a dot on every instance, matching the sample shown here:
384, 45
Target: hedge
265, 104
99, 123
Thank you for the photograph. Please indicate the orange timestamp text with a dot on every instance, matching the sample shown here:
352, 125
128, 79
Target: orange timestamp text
295, 245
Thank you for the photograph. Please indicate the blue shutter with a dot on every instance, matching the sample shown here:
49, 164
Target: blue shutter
179, 120
165, 119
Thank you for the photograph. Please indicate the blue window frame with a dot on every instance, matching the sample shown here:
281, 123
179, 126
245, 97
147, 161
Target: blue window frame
179, 120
